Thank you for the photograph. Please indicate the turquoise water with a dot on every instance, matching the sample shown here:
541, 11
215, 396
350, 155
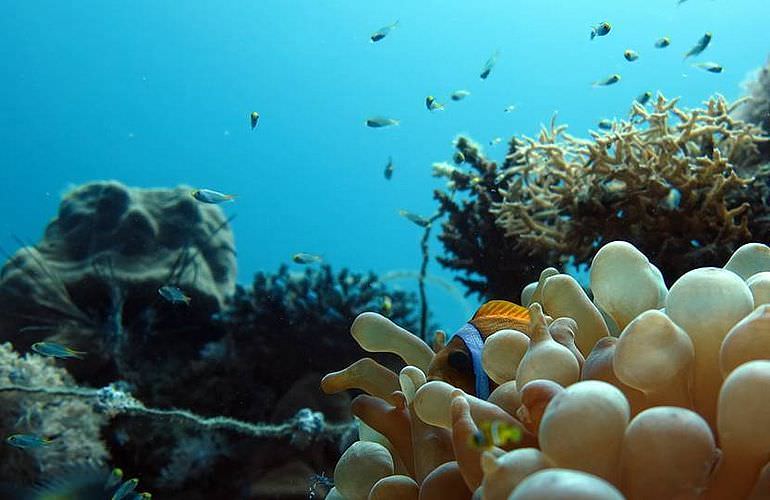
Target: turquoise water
158, 93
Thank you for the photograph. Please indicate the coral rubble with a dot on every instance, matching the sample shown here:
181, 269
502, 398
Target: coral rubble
672, 406
684, 186
75, 424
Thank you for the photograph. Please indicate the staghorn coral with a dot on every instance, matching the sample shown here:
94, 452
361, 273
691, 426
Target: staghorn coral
696, 430
74, 423
682, 185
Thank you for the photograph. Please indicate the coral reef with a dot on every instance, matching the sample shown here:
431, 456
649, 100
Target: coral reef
684, 186
74, 424
671, 406
92, 281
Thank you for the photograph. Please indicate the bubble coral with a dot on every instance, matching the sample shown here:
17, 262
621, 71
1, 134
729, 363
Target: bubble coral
674, 407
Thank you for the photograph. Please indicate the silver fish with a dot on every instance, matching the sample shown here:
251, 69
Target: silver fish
209, 196
380, 121
700, 46
605, 124
417, 219
489, 65
125, 489
389, 168
54, 350
27, 441
382, 32
459, 95
610, 80
174, 295
306, 258
711, 67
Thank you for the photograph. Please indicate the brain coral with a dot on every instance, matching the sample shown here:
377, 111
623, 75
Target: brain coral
671, 406
93, 280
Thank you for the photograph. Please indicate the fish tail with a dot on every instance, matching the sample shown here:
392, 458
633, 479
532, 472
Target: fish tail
77, 354
593, 33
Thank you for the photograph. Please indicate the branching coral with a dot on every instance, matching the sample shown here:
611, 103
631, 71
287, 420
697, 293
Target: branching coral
682, 185
495, 265
672, 408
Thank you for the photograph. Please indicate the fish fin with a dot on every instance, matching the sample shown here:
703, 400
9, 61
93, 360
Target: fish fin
76, 354
502, 308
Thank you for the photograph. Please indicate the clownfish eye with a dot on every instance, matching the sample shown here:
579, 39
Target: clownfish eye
460, 361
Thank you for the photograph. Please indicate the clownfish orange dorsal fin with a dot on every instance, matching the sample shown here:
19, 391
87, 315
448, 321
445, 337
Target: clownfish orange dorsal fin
499, 315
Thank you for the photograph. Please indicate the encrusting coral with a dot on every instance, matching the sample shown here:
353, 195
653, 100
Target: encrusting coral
672, 406
75, 423
684, 186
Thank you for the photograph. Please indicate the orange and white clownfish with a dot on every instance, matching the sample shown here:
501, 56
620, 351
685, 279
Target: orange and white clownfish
459, 361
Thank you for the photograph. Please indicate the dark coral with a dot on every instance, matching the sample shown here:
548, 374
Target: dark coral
254, 354
494, 265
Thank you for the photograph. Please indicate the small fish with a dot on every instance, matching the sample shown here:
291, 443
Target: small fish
711, 67
600, 29
54, 350
494, 433
509, 109
605, 124
114, 479
389, 168
383, 32
417, 219
254, 119
489, 65
700, 46
306, 258
644, 98
610, 80
495, 141
142, 496
209, 196
459, 95
27, 441
458, 157
663, 43
630, 55
432, 104
380, 121
125, 489
387, 305
174, 295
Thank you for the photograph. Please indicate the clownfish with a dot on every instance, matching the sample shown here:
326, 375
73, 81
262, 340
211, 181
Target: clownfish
459, 361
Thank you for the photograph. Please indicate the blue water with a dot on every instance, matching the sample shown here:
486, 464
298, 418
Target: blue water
158, 93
